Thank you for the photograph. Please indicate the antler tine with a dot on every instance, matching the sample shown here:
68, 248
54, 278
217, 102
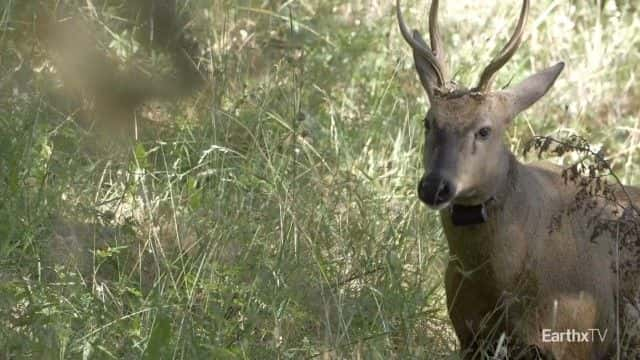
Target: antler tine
434, 35
421, 50
507, 52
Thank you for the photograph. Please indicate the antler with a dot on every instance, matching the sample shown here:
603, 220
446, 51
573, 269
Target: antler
435, 55
434, 36
507, 52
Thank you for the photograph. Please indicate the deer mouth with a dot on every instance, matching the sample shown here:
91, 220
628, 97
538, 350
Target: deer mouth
441, 206
470, 198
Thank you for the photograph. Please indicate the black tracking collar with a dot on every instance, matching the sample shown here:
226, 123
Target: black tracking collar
462, 215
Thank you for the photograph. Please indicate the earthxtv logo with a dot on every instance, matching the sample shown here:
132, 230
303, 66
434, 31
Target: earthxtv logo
573, 335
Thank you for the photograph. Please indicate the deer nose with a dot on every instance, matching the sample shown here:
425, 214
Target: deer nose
435, 190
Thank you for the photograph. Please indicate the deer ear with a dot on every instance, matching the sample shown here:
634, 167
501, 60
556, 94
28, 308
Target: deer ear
531, 89
425, 70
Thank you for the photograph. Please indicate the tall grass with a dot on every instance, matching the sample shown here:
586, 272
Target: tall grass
272, 215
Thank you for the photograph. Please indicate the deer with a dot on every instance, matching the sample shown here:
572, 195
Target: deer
527, 276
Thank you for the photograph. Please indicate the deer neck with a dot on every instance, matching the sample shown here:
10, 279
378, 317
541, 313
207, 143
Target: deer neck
474, 245
495, 191
507, 183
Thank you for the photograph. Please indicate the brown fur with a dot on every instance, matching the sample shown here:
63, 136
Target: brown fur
520, 253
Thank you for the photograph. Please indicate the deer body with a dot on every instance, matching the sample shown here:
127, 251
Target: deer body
527, 262
522, 275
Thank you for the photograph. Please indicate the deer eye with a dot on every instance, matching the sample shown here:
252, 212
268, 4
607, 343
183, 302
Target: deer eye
483, 133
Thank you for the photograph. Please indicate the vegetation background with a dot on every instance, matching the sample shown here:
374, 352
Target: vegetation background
273, 214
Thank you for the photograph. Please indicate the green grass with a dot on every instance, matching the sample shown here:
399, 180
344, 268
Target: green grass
273, 214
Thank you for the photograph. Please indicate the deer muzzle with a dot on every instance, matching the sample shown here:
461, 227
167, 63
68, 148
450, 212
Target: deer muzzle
436, 190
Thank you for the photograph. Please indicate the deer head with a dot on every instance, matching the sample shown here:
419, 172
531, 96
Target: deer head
465, 159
